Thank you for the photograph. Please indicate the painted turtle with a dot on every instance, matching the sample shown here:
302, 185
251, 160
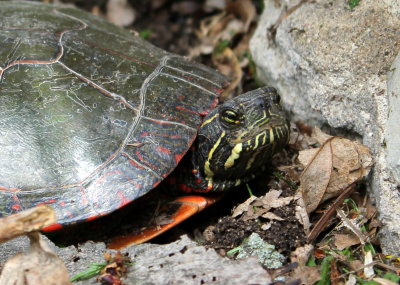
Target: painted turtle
93, 117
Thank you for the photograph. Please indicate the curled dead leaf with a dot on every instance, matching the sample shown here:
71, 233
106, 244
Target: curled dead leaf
255, 207
345, 240
234, 20
240, 209
338, 163
272, 216
229, 65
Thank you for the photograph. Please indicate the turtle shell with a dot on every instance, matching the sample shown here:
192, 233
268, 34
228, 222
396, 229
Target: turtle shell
92, 116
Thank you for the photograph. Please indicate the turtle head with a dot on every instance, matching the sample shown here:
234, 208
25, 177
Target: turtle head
238, 138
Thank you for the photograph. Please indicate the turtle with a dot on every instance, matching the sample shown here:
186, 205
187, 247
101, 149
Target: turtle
94, 117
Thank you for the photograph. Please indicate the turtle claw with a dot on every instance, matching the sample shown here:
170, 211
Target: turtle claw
171, 214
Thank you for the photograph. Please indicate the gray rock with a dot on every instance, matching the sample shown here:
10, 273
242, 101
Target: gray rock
330, 64
181, 262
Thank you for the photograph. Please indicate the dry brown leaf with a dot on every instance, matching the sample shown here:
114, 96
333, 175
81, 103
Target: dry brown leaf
272, 200
353, 225
335, 274
120, 12
280, 202
307, 274
255, 207
316, 176
272, 216
210, 5
38, 266
236, 19
301, 213
345, 240
330, 168
266, 227
240, 209
229, 65
244, 10
319, 135
355, 265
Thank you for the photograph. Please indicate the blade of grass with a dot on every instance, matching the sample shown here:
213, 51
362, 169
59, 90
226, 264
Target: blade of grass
93, 270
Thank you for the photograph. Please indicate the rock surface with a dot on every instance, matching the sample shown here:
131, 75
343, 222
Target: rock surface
330, 64
181, 262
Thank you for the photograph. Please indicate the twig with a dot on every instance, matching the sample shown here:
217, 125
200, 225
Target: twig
321, 224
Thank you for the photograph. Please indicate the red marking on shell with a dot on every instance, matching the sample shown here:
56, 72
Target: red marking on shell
101, 179
156, 183
122, 198
61, 203
163, 150
16, 207
52, 201
180, 108
144, 161
219, 91
173, 121
189, 77
119, 54
84, 200
198, 180
135, 164
13, 190
92, 218
194, 171
212, 106
53, 227
178, 157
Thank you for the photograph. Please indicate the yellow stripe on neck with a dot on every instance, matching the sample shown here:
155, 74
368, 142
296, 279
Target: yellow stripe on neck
234, 155
207, 170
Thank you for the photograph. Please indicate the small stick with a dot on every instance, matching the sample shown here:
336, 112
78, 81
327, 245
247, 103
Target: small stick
321, 224
27, 221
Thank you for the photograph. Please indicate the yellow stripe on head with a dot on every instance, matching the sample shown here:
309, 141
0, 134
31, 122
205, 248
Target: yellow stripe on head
209, 120
237, 149
207, 170
271, 136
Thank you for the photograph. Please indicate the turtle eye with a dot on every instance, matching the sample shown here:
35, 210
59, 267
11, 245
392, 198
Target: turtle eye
231, 117
276, 98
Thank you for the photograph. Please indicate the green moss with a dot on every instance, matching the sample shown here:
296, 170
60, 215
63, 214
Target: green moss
353, 3
221, 46
145, 34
